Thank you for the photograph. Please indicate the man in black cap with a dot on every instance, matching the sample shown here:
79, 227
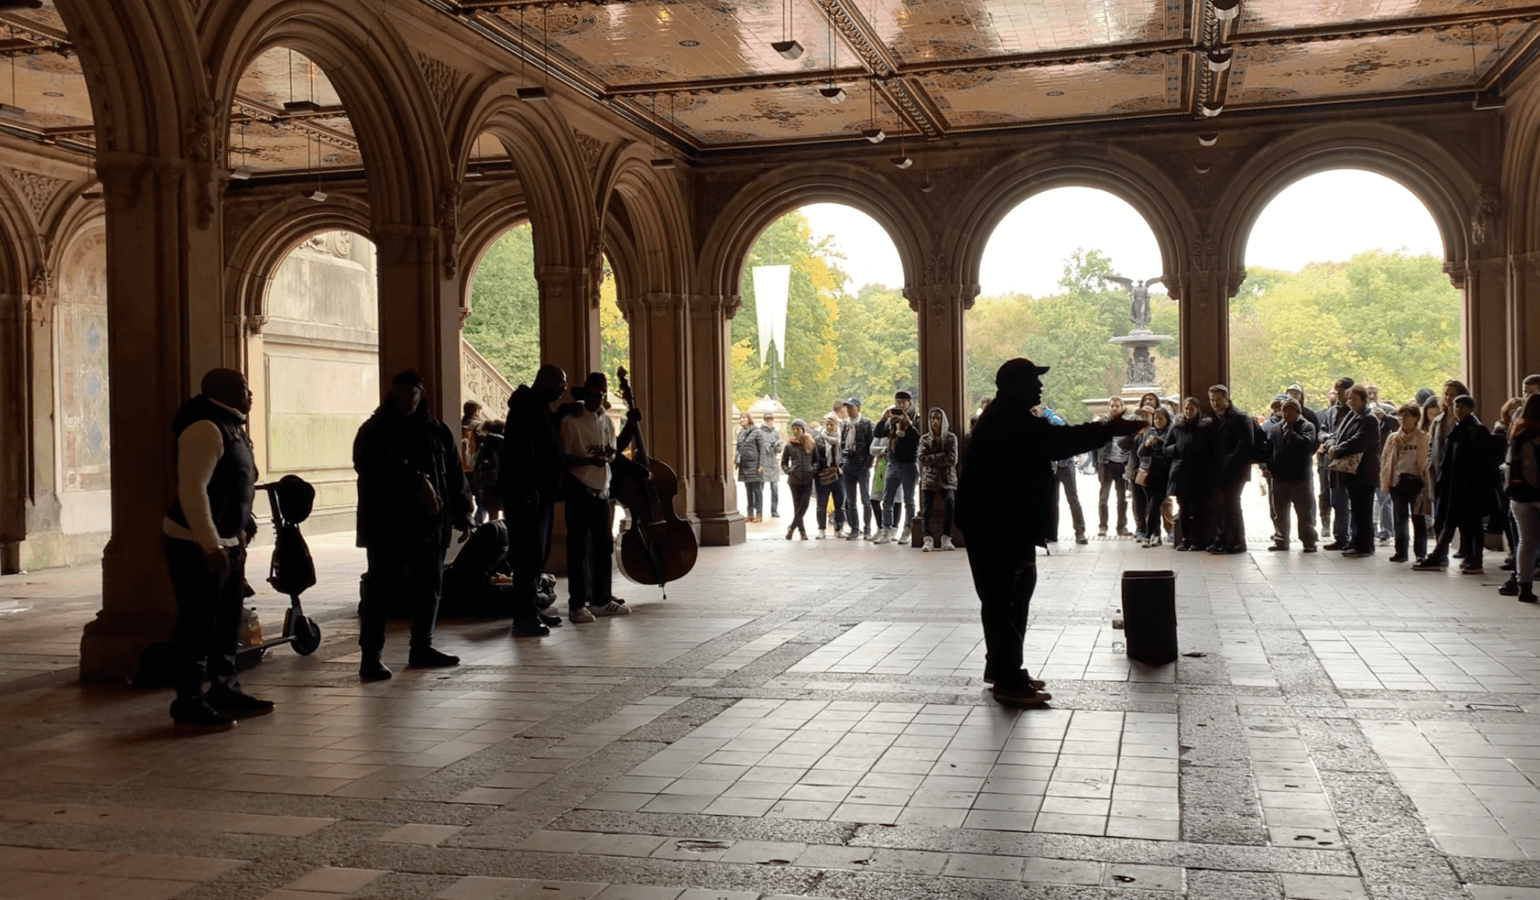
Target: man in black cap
1004, 509
206, 530
531, 475
856, 468
411, 492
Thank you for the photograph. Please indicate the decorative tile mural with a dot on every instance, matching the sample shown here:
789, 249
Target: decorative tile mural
81, 320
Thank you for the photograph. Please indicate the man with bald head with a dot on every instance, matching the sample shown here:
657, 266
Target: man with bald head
532, 468
206, 530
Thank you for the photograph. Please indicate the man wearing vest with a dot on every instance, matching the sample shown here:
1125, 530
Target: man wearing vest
206, 530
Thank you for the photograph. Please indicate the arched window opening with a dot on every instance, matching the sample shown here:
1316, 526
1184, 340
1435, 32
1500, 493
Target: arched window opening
319, 372
1058, 284
1344, 278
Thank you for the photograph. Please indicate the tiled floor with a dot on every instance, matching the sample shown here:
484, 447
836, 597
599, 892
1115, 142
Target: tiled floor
806, 720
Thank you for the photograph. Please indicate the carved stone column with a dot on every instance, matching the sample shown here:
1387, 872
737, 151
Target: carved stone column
419, 318
15, 427
1204, 290
569, 319
661, 377
716, 490
164, 269
1486, 356
1524, 314
42, 505
943, 361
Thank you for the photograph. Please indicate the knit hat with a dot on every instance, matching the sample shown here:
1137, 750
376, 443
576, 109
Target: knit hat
798, 423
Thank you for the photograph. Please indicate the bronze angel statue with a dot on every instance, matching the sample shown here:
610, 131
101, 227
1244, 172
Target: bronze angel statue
1139, 313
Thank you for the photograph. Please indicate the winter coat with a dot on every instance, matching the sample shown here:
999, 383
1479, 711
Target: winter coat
1418, 441
1464, 483
1006, 484
1232, 448
826, 453
1152, 461
1189, 446
488, 471
1359, 433
937, 456
752, 456
533, 458
858, 457
774, 445
1292, 450
901, 448
391, 454
797, 462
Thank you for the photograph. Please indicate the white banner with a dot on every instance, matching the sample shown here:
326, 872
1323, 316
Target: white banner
771, 284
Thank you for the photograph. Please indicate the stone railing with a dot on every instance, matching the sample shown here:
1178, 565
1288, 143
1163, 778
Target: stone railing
480, 381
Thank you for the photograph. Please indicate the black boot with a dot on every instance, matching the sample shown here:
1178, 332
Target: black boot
197, 712
372, 669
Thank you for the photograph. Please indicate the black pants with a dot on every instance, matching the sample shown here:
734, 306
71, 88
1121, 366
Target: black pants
1361, 507
208, 607
417, 570
835, 489
800, 495
1229, 523
1295, 496
1402, 499
1111, 475
529, 544
589, 545
1139, 499
1472, 545
1192, 516
1064, 479
1153, 500
948, 505
1004, 567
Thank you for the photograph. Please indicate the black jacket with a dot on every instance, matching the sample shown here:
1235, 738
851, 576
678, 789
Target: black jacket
860, 457
1360, 433
1465, 483
1189, 446
1232, 447
1006, 483
1293, 449
532, 453
391, 454
1153, 461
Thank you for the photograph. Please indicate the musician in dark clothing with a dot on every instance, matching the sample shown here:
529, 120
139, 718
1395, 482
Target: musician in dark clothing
1005, 494
530, 477
477, 583
206, 530
411, 492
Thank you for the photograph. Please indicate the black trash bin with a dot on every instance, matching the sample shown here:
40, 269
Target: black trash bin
1149, 616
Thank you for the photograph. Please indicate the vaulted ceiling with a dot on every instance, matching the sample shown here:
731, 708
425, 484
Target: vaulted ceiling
703, 73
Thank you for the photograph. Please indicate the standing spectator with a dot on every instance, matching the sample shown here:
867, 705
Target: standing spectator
775, 445
488, 470
1333, 487
1523, 488
470, 444
1358, 435
826, 468
588, 439
1189, 446
205, 535
751, 456
1232, 470
1386, 420
797, 463
1323, 430
937, 455
1501, 522
856, 469
1111, 460
530, 476
1404, 475
411, 493
1064, 480
1293, 443
903, 434
1138, 500
1438, 441
1462, 490
1154, 474
1003, 493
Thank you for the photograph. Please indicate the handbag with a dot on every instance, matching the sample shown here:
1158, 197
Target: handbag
1142, 477
828, 475
1346, 464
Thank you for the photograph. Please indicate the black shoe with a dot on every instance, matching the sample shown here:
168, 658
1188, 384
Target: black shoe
430, 658
1183, 547
1037, 684
1507, 565
1458, 554
1527, 593
1081, 538
240, 705
527, 628
1356, 554
1431, 564
1239, 548
1216, 548
199, 713
1398, 558
371, 669
1510, 588
1333, 546
1281, 548
1309, 548
550, 621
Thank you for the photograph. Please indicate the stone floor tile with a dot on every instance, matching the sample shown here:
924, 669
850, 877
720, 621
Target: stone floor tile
1501, 892
1147, 878
1321, 887
1040, 870
556, 890
334, 880
638, 892
974, 865
430, 835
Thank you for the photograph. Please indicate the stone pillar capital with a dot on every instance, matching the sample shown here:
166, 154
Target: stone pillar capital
406, 243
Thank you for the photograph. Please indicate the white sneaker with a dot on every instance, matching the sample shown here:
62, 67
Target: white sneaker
946, 542
903, 536
928, 546
821, 535
884, 536
610, 609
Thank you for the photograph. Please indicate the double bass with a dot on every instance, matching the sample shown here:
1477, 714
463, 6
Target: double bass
657, 546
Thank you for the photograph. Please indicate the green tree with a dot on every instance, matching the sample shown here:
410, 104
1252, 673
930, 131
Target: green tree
504, 324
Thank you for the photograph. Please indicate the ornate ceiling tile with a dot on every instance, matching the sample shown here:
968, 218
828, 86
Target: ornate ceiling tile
1270, 15
1048, 93
936, 30
777, 114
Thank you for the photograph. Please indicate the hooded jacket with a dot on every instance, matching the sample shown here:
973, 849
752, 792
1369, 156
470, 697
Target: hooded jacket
752, 454
937, 455
391, 454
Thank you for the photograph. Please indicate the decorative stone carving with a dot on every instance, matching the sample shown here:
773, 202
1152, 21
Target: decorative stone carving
330, 243
255, 324
38, 190
1205, 255
591, 148
1483, 219
43, 283
443, 80
449, 228
938, 268
201, 146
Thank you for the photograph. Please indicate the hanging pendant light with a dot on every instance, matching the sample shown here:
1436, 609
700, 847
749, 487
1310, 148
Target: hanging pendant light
830, 92
535, 92
786, 46
872, 132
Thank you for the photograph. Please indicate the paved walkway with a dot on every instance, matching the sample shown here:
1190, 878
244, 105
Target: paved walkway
805, 719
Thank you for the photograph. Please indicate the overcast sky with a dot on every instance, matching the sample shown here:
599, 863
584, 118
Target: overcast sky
1324, 218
